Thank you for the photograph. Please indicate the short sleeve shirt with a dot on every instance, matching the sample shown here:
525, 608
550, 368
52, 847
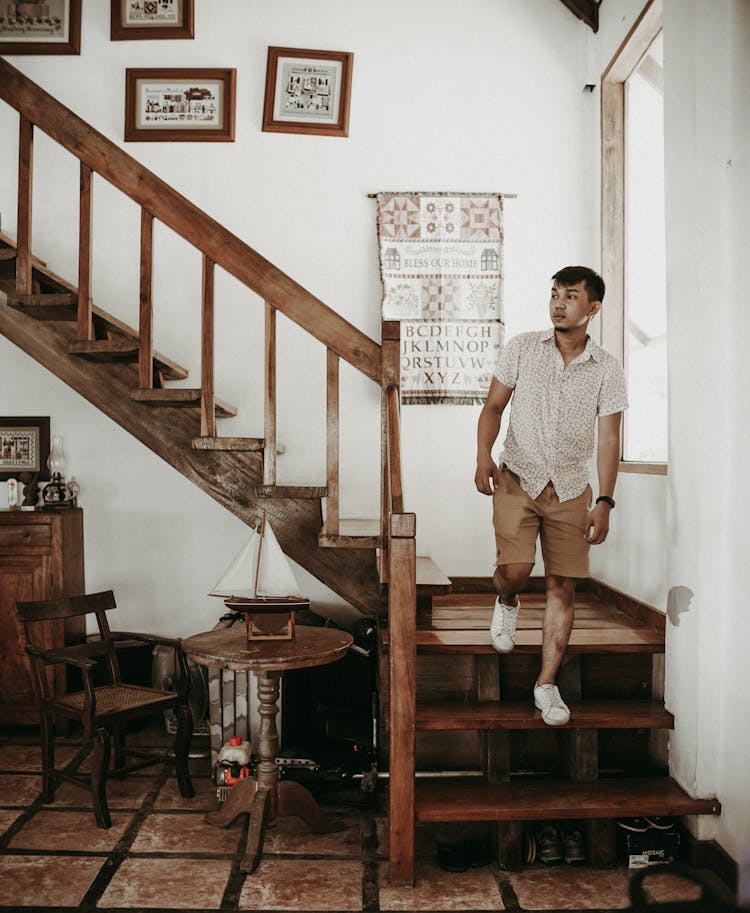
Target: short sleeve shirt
554, 410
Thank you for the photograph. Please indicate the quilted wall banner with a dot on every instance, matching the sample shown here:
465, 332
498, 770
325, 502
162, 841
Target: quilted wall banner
441, 268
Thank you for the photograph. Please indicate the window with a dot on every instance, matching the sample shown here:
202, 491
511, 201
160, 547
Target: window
634, 324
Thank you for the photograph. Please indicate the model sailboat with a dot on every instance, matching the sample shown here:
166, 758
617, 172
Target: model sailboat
260, 584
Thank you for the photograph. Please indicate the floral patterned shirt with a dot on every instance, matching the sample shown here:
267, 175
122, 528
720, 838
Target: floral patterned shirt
554, 410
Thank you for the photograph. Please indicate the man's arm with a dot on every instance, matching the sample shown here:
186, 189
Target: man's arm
607, 464
488, 429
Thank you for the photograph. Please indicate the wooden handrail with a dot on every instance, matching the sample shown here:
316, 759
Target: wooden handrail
187, 220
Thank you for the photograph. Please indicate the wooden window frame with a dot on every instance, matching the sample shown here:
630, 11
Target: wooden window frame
622, 65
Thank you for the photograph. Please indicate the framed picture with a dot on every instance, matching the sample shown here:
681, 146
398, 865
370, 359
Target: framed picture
179, 105
134, 20
24, 446
50, 27
307, 91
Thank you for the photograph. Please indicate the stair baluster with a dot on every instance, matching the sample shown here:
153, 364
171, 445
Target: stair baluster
145, 320
332, 443
269, 434
25, 169
85, 317
208, 409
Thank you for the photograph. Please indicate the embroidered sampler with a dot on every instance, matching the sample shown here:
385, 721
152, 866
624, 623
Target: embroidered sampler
441, 268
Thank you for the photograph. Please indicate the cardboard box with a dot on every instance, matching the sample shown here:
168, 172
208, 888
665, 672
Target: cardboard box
654, 847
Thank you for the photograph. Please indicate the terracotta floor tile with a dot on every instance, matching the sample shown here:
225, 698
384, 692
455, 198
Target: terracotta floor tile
50, 830
434, 889
159, 883
292, 835
6, 819
567, 888
164, 833
428, 836
28, 758
18, 790
285, 884
46, 880
203, 800
127, 793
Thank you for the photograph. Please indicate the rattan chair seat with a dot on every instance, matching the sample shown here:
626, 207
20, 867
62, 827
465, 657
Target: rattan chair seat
112, 698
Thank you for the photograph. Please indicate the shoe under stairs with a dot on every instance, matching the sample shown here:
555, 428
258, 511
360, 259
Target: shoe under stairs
483, 752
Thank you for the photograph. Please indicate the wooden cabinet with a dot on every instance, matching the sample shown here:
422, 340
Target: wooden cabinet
41, 557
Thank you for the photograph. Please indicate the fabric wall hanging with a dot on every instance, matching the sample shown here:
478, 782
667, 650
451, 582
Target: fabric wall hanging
441, 266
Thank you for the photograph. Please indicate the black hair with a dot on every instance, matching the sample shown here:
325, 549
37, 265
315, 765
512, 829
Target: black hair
592, 281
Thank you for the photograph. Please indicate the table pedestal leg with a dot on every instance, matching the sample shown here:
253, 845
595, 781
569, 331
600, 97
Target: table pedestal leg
263, 797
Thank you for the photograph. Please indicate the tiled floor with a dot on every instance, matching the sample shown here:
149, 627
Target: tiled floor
160, 855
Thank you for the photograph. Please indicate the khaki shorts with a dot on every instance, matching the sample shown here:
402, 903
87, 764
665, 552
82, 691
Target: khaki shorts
519, 519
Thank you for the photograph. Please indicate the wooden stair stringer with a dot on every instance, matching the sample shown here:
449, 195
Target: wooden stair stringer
228, 477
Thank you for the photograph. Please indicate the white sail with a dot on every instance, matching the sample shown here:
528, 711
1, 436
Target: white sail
275, 576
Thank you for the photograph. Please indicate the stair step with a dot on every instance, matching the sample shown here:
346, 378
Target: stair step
619, 714
464, 799
353, 533
179, 397
291, 491
7, 253
45, 305
105, 349
228, 443
431, 580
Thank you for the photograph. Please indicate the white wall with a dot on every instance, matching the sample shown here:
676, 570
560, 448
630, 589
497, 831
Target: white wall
708, 193
482, 95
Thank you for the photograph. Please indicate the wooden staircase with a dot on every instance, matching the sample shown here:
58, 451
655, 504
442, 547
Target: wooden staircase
528, 771
474, 713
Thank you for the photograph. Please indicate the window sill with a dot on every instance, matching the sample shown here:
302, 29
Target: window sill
654, 469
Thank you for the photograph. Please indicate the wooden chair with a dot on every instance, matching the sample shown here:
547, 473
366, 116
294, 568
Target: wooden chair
103, 708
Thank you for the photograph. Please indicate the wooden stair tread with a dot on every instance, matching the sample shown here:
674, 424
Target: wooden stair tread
291, 491
600, 714
123, 349
45, 305
7, 253
353, 533
466, 800
228, 443
431, 580
597, 640
179, 397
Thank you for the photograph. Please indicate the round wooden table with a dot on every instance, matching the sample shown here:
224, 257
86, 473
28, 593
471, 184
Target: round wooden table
264, 797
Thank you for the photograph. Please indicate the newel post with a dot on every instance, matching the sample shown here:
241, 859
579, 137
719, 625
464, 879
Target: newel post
402, 600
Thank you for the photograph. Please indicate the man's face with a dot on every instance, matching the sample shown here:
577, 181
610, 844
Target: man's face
569, 306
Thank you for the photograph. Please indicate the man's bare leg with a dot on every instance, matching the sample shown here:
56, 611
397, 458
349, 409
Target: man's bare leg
558, 623
510, 580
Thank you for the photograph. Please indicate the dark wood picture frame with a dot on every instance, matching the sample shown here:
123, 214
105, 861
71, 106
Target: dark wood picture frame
182, 127
38, 426
70, 45
339, 69
120, 30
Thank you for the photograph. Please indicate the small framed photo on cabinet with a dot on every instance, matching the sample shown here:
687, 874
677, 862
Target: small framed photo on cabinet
136, 20
24, 446
191, 105
308, 91
51, 27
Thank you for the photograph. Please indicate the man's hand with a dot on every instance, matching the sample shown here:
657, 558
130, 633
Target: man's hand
486, 475
597, 524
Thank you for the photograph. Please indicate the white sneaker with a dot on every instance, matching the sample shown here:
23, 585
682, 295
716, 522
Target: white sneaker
555, 711
503, 627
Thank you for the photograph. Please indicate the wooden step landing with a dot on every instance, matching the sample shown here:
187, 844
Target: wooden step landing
353, 533
228, 443
179, 398
291, 491
431, 580
605, 714
464, 800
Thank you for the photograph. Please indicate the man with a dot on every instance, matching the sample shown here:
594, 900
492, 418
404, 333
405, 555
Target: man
562, 384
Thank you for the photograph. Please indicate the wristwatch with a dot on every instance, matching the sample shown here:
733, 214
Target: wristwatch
610, 501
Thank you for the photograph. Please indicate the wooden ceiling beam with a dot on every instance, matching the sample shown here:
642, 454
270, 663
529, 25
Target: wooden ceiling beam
588, 10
